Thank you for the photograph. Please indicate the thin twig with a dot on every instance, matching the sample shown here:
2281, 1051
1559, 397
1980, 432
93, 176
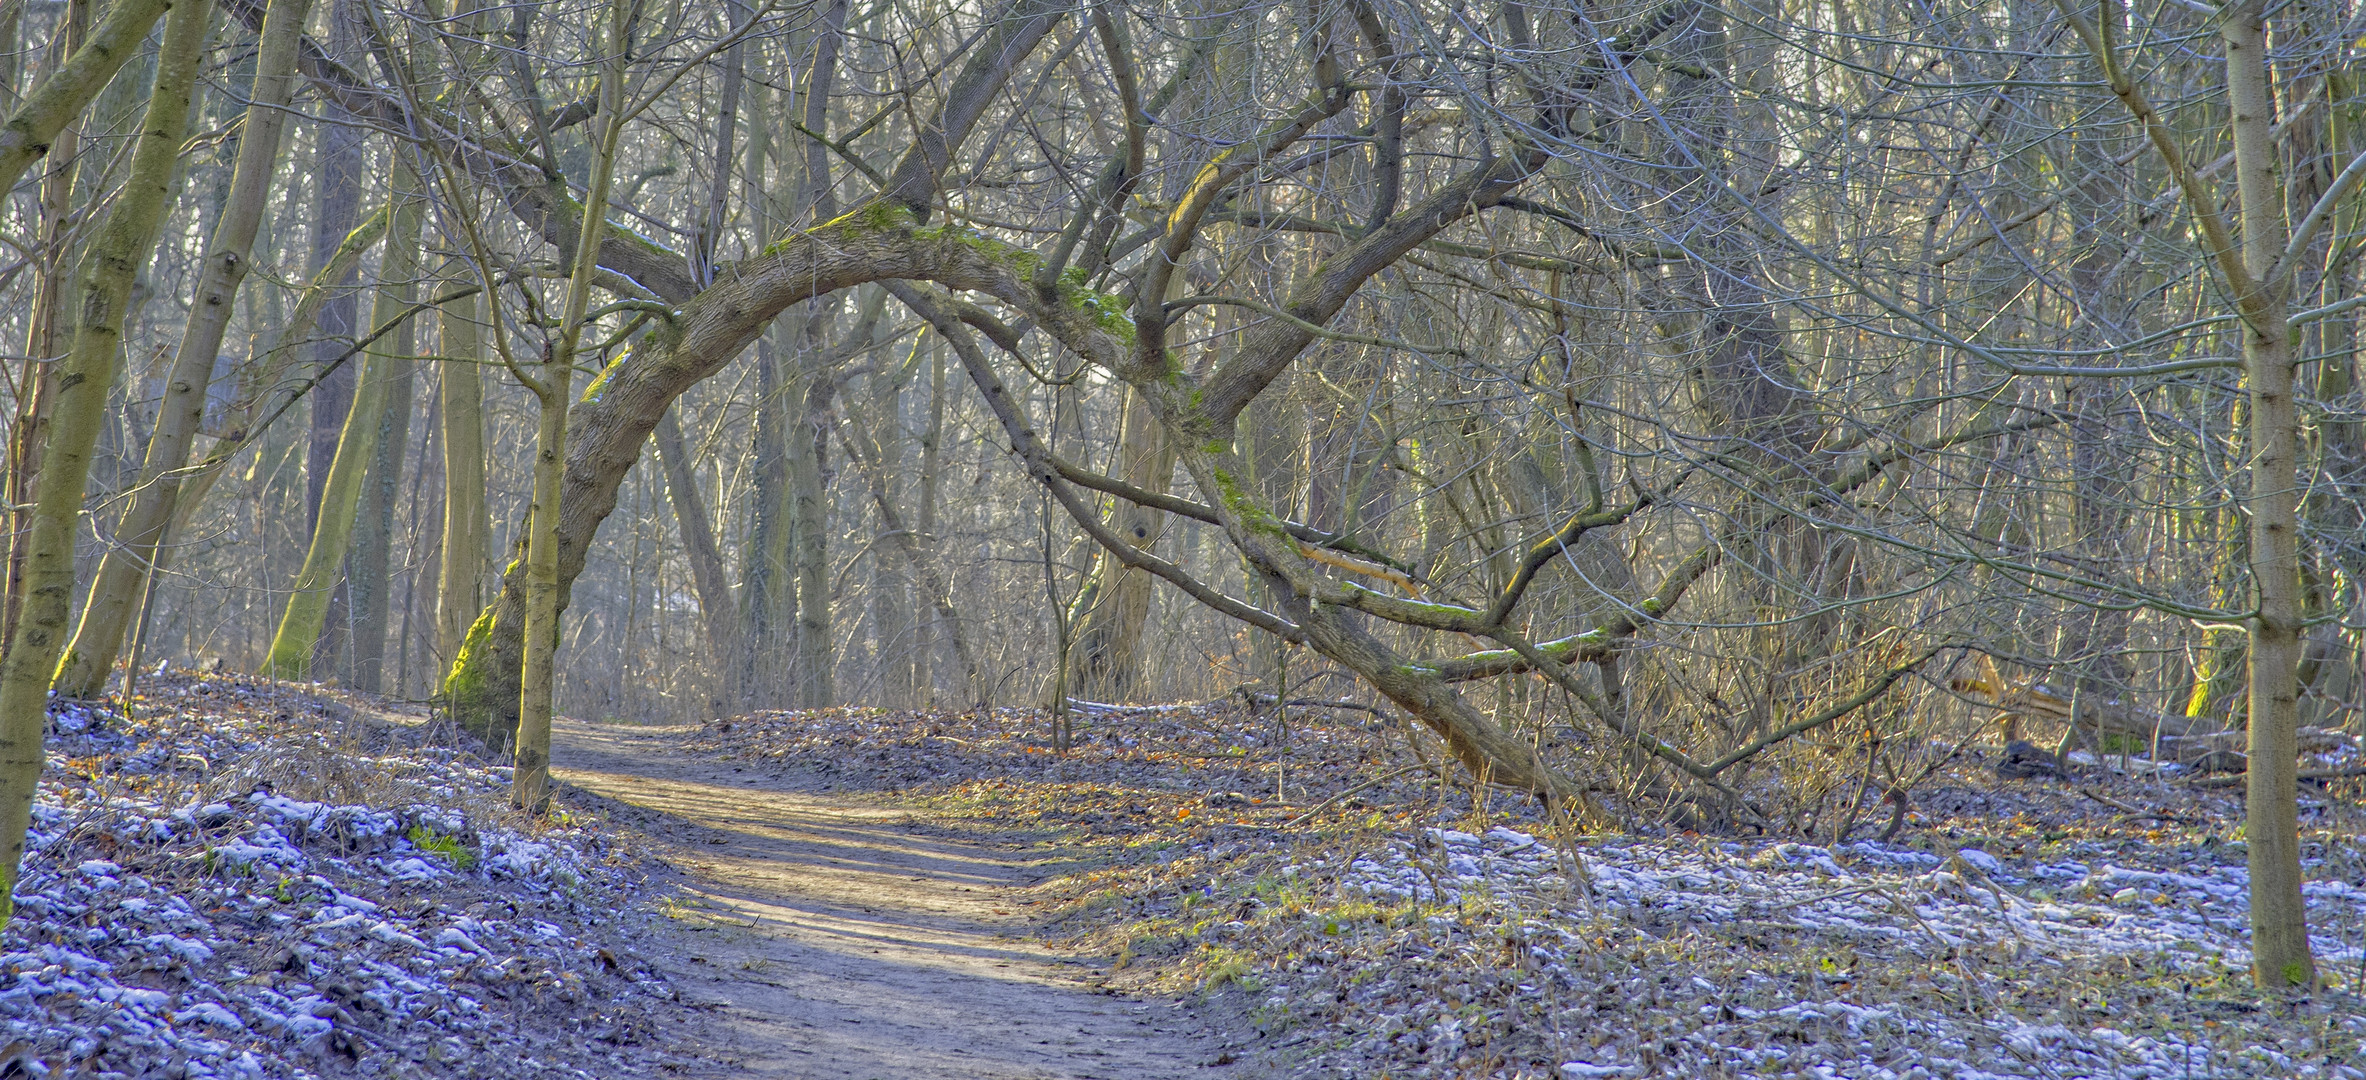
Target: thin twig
1352, 792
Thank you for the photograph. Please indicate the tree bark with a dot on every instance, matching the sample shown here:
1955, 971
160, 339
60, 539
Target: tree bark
340, 140
530, 782
29, 133
1105, 655
461, 410
2280, 955
109, 269
815, 668
809, 537
37, 377
116, 592
369, 573
293, 647
768, 597
891, 563
931, 465
698, 547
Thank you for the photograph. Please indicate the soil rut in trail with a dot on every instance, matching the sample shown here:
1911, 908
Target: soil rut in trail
837, 940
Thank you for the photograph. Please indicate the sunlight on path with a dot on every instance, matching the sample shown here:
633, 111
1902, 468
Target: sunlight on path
834, 940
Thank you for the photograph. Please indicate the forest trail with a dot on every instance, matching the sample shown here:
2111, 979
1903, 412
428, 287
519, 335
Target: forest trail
832, 940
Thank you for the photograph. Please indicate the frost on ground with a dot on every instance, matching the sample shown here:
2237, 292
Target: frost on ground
248, 881
2016, 928
1903, 963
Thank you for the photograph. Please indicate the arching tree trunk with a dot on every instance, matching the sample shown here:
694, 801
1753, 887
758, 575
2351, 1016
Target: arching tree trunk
874, 244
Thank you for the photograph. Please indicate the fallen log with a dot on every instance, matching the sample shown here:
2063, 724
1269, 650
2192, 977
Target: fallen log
2186, 740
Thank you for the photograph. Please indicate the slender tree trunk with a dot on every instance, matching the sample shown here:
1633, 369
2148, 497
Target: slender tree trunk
341, 164
809, 508
12, 25
1106, 651
698, 546
460, 594
2280, 953
816, 657
768, 599
369, 571
37, 378
867, 458
124, 571
891, 586
293, 646
931, 462
109, 269
768, 594
711, 221
530, 782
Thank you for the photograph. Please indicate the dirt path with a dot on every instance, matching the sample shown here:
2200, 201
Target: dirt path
835, 940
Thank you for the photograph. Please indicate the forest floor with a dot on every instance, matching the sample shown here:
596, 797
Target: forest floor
258, 881
250, 880
838, 938
2089, 925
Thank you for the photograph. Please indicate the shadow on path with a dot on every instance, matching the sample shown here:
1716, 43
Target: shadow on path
837, 941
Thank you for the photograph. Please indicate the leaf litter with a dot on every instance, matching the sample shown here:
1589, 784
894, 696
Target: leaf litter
250, 881
1374, 918
254, 881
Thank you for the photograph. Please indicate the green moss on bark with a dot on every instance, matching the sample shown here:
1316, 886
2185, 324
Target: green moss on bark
470, 697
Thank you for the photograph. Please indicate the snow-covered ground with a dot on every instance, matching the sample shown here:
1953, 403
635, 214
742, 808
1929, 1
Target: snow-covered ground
185, 910
1971, 921
2092, 926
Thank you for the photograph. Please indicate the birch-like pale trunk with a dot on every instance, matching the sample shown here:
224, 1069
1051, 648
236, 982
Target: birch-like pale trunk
109, 268
120, 583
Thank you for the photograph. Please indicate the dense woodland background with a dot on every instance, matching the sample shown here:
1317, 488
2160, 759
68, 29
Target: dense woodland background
1636, 386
